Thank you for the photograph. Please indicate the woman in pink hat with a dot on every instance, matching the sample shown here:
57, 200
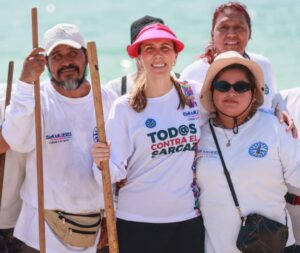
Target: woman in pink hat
153, 133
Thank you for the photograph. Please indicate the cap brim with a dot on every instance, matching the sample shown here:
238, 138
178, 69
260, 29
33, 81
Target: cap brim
70, 43
132, 50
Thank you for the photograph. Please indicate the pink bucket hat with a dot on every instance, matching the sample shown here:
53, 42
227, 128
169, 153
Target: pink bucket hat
153, 31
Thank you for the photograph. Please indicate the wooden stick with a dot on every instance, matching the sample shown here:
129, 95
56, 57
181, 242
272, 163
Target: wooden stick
9, 83
38, 134
7, 101
107, 188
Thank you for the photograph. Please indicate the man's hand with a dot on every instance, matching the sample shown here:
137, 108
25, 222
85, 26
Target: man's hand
33, 66
100, 152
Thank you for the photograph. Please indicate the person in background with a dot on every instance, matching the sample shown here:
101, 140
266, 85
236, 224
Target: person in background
289, 100
72, 194
231, 30
259, 154
153, 133
14, 173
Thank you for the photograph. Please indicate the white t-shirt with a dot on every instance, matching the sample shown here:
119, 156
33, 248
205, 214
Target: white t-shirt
14, 173
154, 150
260, 159
69, 131
197, 71
116, 84
289, 100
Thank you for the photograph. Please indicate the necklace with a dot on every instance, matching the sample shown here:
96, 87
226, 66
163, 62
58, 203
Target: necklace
216, 123
228, 139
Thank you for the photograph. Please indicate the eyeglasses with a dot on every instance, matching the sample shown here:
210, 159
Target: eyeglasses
224, 86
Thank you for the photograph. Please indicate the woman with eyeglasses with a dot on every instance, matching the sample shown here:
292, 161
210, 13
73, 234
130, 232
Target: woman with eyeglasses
153, 133
258, 153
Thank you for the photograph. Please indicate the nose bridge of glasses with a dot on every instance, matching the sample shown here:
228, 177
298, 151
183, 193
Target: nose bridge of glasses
232, 87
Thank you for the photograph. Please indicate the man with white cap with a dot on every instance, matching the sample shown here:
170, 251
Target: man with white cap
73, 195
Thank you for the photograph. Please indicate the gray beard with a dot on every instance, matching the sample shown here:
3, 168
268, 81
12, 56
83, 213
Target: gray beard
69, 84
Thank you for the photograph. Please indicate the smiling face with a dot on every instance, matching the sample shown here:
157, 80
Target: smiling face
157, 56
231, 31
67, 66
232, 103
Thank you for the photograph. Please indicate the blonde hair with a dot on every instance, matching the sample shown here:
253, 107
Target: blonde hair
138, 99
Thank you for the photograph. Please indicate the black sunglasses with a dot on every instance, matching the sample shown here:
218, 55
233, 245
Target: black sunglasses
224, 86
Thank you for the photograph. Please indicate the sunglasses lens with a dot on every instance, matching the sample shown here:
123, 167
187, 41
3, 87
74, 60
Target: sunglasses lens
239, 87
221, 86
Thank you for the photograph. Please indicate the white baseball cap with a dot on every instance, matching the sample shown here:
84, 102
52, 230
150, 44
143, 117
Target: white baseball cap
63, 34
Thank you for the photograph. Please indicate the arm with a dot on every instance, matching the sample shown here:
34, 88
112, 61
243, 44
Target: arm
116, 128
284, 117
289, 150
121, 146
18, 127
3, 144
280, 110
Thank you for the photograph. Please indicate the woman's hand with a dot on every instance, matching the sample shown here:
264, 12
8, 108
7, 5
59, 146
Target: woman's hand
100, 152
285, 117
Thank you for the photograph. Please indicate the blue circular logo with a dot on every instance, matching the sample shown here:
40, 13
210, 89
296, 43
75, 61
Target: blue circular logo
258, 149
267, 90
95, 135
183, 130
150, 123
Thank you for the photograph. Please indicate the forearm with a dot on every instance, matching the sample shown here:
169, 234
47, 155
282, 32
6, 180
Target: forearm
3, 144
18, 127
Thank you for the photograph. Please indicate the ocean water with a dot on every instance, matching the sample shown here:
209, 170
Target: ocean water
276, 30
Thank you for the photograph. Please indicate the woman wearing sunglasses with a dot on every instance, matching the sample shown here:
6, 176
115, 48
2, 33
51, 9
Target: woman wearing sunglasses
153, 133
258, 153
